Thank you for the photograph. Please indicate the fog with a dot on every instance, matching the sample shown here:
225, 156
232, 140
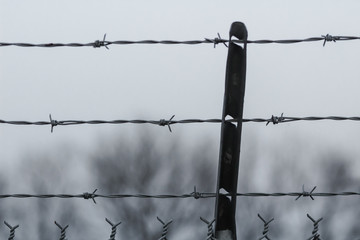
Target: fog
146, 166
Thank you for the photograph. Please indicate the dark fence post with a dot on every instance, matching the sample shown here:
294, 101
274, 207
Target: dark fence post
225, 226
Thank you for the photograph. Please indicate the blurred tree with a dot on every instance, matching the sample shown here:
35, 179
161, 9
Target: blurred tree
149, 169
149, 166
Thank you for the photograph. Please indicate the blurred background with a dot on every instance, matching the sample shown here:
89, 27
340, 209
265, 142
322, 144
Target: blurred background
154, 82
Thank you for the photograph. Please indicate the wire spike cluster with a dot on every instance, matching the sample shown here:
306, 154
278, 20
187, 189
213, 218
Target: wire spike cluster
113, 229
196, 194
276, 120
215, 41
266, 228
103, 43
315, 235
12, 230
90, 195
62, 231
329, 38
164, 122
165, 228
210, 232
306, 194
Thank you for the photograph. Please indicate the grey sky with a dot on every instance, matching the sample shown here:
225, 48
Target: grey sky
157, 81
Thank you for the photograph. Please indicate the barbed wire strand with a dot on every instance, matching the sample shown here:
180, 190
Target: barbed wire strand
163, 122
195, 195
215, 41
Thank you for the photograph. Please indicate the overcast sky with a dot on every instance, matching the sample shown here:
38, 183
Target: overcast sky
157, 81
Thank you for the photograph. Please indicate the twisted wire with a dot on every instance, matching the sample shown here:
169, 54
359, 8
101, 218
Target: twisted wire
162, 122
315, 235
215, 41
266, 228
165, 228
195, 195
12, 230
113, 228
210, 232
62, 231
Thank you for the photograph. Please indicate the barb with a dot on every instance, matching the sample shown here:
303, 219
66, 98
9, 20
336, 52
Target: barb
306, 194
165, 228
12, 230
315, 235
218, 40
215, 41
329, 38
276, 120
113, 229
195, 194
62, 231
266, 227
103, 43
53, 123
92, 195
210, 233
163, 122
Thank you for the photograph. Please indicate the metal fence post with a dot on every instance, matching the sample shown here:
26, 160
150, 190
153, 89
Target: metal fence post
225, 227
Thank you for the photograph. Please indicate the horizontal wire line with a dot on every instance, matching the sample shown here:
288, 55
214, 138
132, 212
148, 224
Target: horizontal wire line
104, 43
163, 122
169, 196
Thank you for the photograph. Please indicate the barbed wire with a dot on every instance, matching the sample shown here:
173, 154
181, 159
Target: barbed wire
215, 41
210, 232
163, 122
266, 227
12, 230
113, 228
195, 194
315, 235
62, 231
165, 228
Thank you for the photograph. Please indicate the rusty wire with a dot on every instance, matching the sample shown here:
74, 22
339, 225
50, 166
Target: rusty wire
163, 122
196, 195
215, 41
